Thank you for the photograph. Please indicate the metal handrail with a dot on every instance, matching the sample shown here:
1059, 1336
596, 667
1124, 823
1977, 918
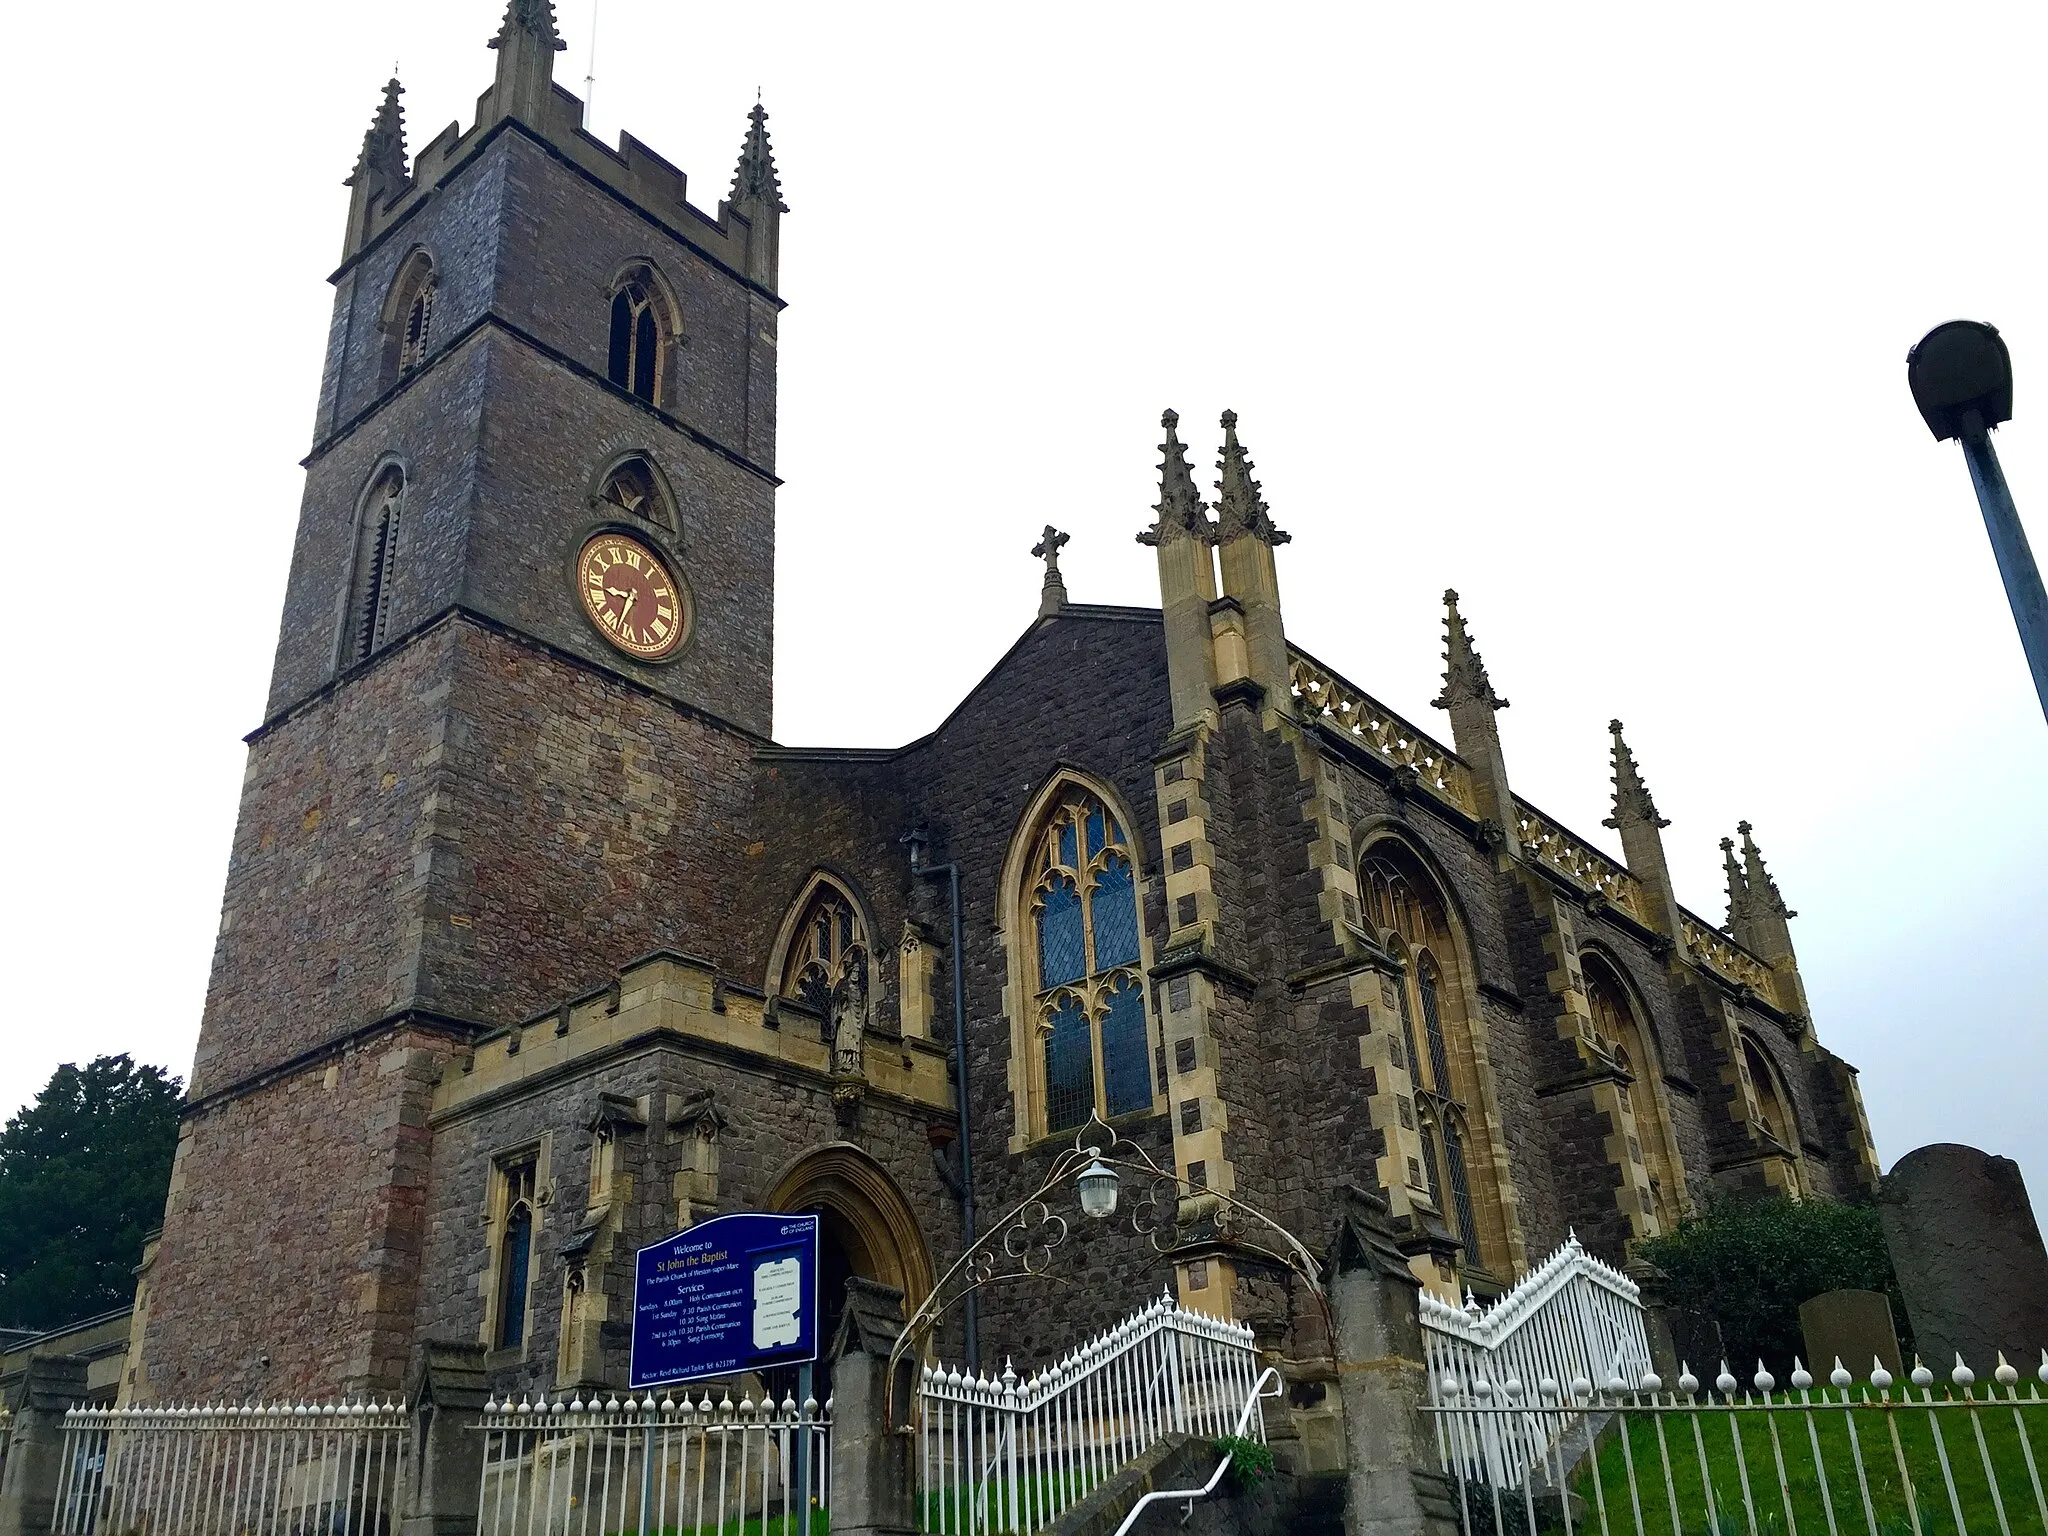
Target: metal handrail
1191, 1494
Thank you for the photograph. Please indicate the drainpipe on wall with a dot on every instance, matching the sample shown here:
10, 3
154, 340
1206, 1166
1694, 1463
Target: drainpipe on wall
918, 839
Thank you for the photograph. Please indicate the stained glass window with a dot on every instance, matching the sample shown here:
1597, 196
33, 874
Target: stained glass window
1433, 1025
1069, 1067
1115, 910
1062, 957
1461, 1184
1090, 989
1126, 1063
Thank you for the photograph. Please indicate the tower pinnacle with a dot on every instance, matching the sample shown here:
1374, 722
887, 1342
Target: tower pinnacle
1763, 890
755, 179
531, 18
1465, 679
1738, 888
1632, 802
1635, 818
383, 153
1239, 509
1182, 513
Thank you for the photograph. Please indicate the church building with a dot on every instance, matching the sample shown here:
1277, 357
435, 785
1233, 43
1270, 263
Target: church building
536, 947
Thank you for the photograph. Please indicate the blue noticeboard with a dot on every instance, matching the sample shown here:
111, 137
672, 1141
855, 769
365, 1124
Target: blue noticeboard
736, 1293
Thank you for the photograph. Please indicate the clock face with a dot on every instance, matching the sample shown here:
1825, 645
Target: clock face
631, 597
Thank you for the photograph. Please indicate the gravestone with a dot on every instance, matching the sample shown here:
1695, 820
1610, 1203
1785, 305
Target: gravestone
1854, 1327
1969, 1257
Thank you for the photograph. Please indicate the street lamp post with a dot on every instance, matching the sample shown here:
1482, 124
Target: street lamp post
1961, 378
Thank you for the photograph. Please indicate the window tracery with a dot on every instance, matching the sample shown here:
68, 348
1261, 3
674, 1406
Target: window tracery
823, 946
635, 360
630, 489
1086, 969
1408, 914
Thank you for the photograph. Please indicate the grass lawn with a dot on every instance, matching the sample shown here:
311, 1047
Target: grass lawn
1902, 1489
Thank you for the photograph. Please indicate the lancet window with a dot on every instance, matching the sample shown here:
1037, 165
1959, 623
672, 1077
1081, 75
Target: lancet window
515, 1250
1403, 905
1621, 1035
376, 566
636, 340
1084, 965
827, 934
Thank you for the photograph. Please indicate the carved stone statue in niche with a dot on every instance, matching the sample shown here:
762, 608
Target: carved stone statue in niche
850, 1014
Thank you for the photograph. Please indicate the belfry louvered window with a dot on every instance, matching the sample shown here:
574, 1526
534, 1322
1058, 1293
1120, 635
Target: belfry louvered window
636, 342
1088, 980
419, 323
376, 566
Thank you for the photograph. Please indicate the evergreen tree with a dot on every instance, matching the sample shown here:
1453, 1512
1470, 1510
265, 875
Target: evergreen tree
83, 1174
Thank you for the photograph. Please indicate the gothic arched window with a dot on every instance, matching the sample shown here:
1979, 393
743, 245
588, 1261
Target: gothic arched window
827, 932
409, 316
1402, 903
1083, 962
1773, 1106
1622, 1037
375, 566
636, 340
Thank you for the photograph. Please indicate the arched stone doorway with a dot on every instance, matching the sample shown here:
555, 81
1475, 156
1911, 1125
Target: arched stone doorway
867, 1228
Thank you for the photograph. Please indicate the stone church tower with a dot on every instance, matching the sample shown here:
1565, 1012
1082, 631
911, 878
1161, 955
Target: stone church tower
462, 802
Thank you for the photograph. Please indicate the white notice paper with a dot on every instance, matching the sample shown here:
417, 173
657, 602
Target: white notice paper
778, 1296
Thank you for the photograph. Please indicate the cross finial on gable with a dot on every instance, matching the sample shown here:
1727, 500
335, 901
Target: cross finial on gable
1054, 596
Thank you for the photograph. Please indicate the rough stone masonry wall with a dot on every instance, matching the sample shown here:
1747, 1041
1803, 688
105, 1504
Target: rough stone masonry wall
581, 823
289, 1262
319, 919
474, 826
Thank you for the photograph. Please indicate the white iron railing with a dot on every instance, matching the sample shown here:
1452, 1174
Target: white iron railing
1187, 1496
1572, 1318
335, 1469
1746, 1459
644, 1466
999, 1454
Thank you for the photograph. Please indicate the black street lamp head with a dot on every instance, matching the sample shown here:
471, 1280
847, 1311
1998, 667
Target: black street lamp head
1958, 371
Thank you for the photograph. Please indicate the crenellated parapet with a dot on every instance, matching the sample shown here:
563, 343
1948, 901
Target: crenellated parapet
682, 1000
742, 235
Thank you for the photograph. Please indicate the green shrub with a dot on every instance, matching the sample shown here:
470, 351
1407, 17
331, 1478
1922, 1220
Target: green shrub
1251, 1461
1748, 1264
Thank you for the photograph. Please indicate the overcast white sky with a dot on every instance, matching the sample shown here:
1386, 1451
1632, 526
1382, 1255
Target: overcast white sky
1597, 313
